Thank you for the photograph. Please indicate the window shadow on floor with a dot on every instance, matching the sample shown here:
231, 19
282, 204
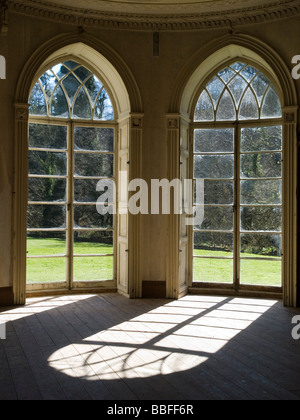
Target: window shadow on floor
105, 347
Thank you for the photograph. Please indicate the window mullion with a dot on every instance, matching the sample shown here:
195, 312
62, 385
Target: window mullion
237, 207
70, 207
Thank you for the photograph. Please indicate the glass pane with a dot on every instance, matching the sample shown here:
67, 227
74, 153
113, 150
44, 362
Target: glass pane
93, 269
88, 217
82, 73
215, 88
249, 73
103, 108
100, 165
37, 102
60, 70
91, 243
48, 81
226, 109
217, 218
82, 108
46, 270
46, 217
249, 107
47, 189
47, 136
214, 167
93, 86
260, 245
237, 87
59, 106
261, 138
261, 273
71, 64
46, 244
208, 270
213, 244
71, 85
271, 107
260, 85
218, 192
227, 74
204, 109
261, 192
86, 191
94, 139
265, 165
47, 163
261, 219
238, 66
215, 140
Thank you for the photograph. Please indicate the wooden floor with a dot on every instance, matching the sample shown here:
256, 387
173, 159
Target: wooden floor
106, 347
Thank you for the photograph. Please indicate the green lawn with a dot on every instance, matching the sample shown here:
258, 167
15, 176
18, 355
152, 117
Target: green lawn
253, 272
48, 270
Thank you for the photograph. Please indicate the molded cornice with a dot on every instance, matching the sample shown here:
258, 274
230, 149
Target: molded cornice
159, 22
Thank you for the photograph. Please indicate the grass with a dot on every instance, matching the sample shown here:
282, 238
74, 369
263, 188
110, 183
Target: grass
52, 270
210, 270
253, 272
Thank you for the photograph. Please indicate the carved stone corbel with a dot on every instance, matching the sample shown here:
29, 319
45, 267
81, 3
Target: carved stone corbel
3, 17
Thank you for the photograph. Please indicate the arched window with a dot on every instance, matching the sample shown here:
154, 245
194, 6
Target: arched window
237, 150
70, 240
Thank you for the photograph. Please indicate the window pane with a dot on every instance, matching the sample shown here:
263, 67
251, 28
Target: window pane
46, 244
47, 136
208, 270
260, 85
46, 217
249, 107
100, 165
48, 81
59, 106
217, 218
261, 138
47, 163
82, 73
261, 192
47, 189
215, 140
93, 269
94, 139
218, 192
85, 191
214, 167
103, 108
271, 106
88, 217
249, 73
261, 273
82, 107
46, 270
37, 101
71, 84
213, 244
265, 165
261, 219
91, 242
260, 245
227, 74
215, 88
93, 86
204, 109
237, 87
226, 109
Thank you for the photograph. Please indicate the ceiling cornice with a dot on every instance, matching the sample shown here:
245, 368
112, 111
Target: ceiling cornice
158, 22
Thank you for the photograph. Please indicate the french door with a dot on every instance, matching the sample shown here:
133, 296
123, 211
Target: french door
239, 243
70, 238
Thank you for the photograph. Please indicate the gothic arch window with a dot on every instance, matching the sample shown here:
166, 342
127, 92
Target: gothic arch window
72, 125
238, 151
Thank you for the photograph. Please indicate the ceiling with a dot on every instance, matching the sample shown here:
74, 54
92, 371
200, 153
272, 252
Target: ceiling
155, 7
